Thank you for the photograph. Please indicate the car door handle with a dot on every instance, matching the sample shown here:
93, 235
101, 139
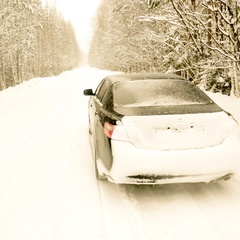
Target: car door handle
95, 114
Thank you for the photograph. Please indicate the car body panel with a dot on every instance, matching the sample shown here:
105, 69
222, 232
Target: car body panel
156, 142
142, 166
101, 142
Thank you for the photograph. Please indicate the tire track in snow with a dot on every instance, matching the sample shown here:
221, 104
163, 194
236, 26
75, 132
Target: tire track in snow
220, 204
120, 215
26, 136
170, 212
15, 169
46, 171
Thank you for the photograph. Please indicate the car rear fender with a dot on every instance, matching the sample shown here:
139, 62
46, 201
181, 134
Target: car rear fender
103, 143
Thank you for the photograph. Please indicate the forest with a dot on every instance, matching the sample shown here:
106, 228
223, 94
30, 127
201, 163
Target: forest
36, 41
199, 40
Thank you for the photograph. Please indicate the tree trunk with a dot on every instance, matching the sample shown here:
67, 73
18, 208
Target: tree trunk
3, 80
235, 85
209, 25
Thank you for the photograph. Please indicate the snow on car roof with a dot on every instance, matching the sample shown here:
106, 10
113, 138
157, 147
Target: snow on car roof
142, 76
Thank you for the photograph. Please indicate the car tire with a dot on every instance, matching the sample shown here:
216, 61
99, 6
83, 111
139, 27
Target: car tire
98, 176
96, 159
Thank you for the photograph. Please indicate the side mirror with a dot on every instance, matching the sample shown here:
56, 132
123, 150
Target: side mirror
88, 92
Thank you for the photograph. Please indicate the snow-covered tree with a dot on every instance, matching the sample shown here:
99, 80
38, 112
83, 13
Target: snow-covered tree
125, 39
213, 28
197, 39
35, 41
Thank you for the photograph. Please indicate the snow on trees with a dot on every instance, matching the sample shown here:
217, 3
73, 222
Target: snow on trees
153, 3
197, 39
33, 41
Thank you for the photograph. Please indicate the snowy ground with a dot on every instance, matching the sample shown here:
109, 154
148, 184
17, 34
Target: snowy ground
48, 189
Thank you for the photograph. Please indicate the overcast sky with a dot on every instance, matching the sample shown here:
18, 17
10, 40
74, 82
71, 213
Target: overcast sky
80, 14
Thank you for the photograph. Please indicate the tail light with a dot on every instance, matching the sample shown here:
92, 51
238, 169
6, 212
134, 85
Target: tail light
115, 132
108, 129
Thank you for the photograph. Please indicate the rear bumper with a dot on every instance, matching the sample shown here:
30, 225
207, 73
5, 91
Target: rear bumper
143, 166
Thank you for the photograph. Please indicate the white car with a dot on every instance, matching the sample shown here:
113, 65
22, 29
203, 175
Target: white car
152, 128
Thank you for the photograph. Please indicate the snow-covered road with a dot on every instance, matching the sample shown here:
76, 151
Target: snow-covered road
48, 189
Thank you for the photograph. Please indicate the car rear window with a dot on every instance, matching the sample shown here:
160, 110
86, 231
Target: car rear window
143, 93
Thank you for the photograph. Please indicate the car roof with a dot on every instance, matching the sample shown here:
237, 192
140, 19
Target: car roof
142, 76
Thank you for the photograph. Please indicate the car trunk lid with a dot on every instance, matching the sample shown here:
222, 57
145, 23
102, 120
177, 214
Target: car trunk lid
175, 132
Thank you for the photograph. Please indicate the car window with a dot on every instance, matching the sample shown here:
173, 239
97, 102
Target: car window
99, 87
107, 99
102, 89
143, 93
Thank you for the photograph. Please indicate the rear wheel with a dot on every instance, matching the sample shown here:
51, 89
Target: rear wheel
97, 174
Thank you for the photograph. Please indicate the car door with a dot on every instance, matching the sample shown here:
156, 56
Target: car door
95, 105
101, 142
